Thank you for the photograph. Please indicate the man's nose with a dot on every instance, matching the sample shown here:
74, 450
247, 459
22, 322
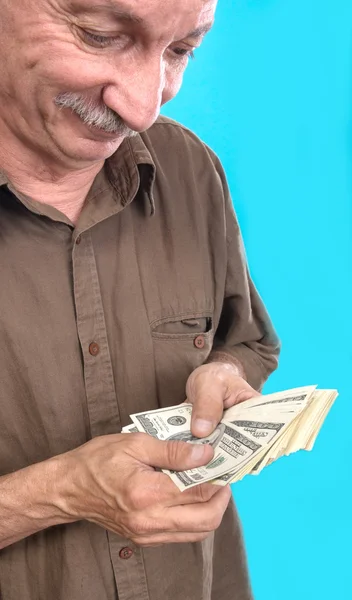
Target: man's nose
136, 95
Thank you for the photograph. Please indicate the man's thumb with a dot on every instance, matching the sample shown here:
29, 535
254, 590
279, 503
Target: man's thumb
176, 456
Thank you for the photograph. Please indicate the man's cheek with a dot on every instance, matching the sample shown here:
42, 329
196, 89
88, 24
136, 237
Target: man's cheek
67, 67
172, 86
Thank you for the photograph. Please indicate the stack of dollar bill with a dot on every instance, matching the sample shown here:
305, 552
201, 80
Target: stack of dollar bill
250, 435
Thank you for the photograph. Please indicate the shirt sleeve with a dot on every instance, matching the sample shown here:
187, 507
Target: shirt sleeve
245, 335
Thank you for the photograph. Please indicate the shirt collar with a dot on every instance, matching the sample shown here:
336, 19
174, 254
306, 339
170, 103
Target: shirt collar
132, 159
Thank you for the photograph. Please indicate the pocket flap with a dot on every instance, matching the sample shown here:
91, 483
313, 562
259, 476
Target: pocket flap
183, 326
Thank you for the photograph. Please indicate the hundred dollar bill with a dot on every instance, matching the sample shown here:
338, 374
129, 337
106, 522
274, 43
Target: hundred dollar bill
231, 446
250, 435
235, 443
269, 426
233, 450
267, 432
173, 423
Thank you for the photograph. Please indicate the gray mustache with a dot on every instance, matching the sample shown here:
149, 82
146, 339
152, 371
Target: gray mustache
92, 114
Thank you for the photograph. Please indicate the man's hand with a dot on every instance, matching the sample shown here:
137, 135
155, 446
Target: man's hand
111, 481
211, 388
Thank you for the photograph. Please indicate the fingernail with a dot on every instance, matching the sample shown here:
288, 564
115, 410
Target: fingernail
203, 427
197, 452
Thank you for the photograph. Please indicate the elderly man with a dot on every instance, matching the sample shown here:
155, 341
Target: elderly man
124, 288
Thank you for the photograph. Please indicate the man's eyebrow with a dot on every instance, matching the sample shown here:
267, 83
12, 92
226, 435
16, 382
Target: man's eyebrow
118, 10
200, 31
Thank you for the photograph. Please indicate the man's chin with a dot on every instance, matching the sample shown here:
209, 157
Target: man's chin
86, 150
81, 143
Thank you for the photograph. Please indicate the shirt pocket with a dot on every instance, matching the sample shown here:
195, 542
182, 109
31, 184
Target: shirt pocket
181, 344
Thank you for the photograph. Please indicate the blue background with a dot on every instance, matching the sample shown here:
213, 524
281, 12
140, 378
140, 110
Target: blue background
271, 92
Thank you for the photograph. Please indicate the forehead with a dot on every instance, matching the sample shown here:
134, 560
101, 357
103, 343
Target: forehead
163, 11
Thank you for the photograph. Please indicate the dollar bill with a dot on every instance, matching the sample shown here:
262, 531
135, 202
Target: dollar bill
173, 423
249, 436
235, 442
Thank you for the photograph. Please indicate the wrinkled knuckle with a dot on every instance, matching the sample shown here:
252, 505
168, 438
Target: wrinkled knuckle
174, 448
136, 443
130, 441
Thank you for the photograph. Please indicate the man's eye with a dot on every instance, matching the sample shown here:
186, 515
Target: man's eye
100, 41
183, 52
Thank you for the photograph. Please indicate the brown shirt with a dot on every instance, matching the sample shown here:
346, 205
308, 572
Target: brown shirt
109, 318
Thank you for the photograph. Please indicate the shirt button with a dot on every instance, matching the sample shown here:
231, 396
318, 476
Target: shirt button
126, 553
94, 349
199, 342
78, 239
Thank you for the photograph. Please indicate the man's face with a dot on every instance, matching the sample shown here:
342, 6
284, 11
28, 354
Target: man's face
78, 76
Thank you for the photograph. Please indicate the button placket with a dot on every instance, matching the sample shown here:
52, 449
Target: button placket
102, 402
129, 569
98, 374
